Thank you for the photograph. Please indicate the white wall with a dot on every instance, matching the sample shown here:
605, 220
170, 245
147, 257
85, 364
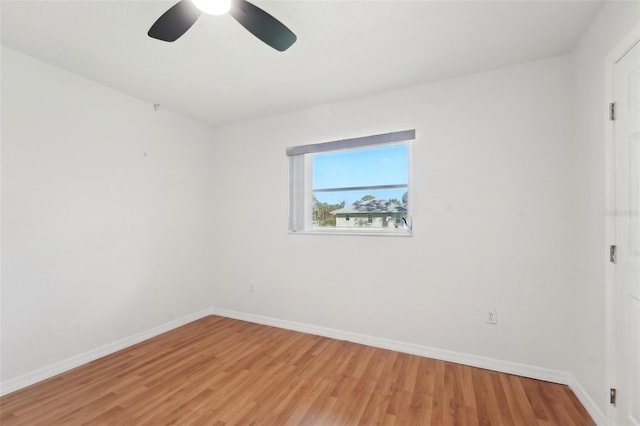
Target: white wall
99, 241
491, 185
589, 57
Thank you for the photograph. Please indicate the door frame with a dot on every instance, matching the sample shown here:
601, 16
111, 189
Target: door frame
616, 54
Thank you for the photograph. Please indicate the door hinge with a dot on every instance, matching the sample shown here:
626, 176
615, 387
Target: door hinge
612, 111
612, 396
613, 254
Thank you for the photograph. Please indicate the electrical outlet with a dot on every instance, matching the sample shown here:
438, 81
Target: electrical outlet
252, 286
492, 316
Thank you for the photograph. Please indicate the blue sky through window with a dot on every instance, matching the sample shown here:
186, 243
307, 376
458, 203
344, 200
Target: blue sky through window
386, 165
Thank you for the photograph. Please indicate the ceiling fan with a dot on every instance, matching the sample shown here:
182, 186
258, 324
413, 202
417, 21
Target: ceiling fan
181, 16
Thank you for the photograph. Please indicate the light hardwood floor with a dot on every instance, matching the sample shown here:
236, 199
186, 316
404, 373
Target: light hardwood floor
220, 371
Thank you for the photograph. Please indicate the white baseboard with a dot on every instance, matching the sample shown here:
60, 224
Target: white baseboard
592, 408
524, 370
78, 360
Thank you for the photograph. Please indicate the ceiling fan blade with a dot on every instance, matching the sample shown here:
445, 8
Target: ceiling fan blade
175, 21
262, 25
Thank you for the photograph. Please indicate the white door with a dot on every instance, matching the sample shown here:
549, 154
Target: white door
626, 128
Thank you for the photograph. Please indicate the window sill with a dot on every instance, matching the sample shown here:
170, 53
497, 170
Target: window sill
366, 233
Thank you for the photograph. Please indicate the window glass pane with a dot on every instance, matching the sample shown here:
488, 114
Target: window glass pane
385, 165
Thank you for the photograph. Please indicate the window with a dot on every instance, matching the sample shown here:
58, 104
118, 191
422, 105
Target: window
359, 185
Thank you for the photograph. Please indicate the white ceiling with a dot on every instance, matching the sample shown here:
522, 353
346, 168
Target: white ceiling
218, 72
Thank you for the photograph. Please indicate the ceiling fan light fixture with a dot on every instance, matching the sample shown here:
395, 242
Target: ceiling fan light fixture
172, 24
213, 7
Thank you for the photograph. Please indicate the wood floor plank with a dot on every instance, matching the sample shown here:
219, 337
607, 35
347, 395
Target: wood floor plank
398, 372
429, 392
501, 399
455, 410
482, 402
219, 371
511, 401
381, 395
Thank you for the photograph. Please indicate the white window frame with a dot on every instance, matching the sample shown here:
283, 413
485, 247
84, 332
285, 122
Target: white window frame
301, 185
